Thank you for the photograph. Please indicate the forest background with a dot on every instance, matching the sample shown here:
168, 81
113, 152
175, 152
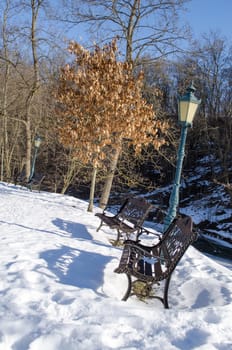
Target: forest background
151, 37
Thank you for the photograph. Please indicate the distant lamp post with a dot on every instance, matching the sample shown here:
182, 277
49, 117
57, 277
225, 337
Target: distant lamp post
187, 107
37, 143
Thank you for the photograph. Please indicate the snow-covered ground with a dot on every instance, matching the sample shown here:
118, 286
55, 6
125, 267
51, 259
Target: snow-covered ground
59, 292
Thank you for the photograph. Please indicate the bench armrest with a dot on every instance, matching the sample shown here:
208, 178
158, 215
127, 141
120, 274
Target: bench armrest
145, 251
144, 230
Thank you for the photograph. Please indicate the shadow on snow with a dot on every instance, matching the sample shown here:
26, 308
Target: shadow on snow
76, 267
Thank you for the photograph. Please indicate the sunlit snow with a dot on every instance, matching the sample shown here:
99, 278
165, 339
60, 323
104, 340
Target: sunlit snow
59, 292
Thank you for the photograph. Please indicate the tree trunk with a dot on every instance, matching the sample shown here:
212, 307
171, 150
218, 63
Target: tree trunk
109, 179
72, 171
92, 188
35, 84
5, 148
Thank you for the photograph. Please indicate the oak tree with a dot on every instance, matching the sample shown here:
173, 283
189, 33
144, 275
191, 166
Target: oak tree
100, 105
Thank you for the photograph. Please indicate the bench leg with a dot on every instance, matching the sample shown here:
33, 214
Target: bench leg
99, 226
118, 235
29, 186
128, 292
165, 300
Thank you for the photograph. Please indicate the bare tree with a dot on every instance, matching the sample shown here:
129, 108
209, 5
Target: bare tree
24, 70
27, 77
8, 70
150, 27
210, 65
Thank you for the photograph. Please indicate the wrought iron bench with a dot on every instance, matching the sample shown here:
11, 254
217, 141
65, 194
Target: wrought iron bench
146, 266
34, 183
129, 218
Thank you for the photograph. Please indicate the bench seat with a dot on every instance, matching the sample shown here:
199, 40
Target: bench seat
129, 218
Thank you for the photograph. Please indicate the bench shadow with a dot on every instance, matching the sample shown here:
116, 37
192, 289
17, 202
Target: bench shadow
72, 266
76, 267
76, 230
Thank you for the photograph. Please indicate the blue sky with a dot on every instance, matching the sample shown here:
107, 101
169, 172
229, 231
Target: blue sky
206, 15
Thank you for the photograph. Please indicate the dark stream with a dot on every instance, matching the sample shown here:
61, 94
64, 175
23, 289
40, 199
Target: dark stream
219, 253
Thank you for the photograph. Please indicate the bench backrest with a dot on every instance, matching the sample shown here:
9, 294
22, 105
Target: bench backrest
134, 210
155, 263
176, 240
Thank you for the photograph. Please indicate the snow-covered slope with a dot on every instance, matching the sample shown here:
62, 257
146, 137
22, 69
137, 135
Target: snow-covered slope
59, 292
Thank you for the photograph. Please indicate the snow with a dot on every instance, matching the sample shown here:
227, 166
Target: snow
59, 292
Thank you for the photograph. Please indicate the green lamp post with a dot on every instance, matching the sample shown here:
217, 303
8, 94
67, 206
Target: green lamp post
37, 143
187, 107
